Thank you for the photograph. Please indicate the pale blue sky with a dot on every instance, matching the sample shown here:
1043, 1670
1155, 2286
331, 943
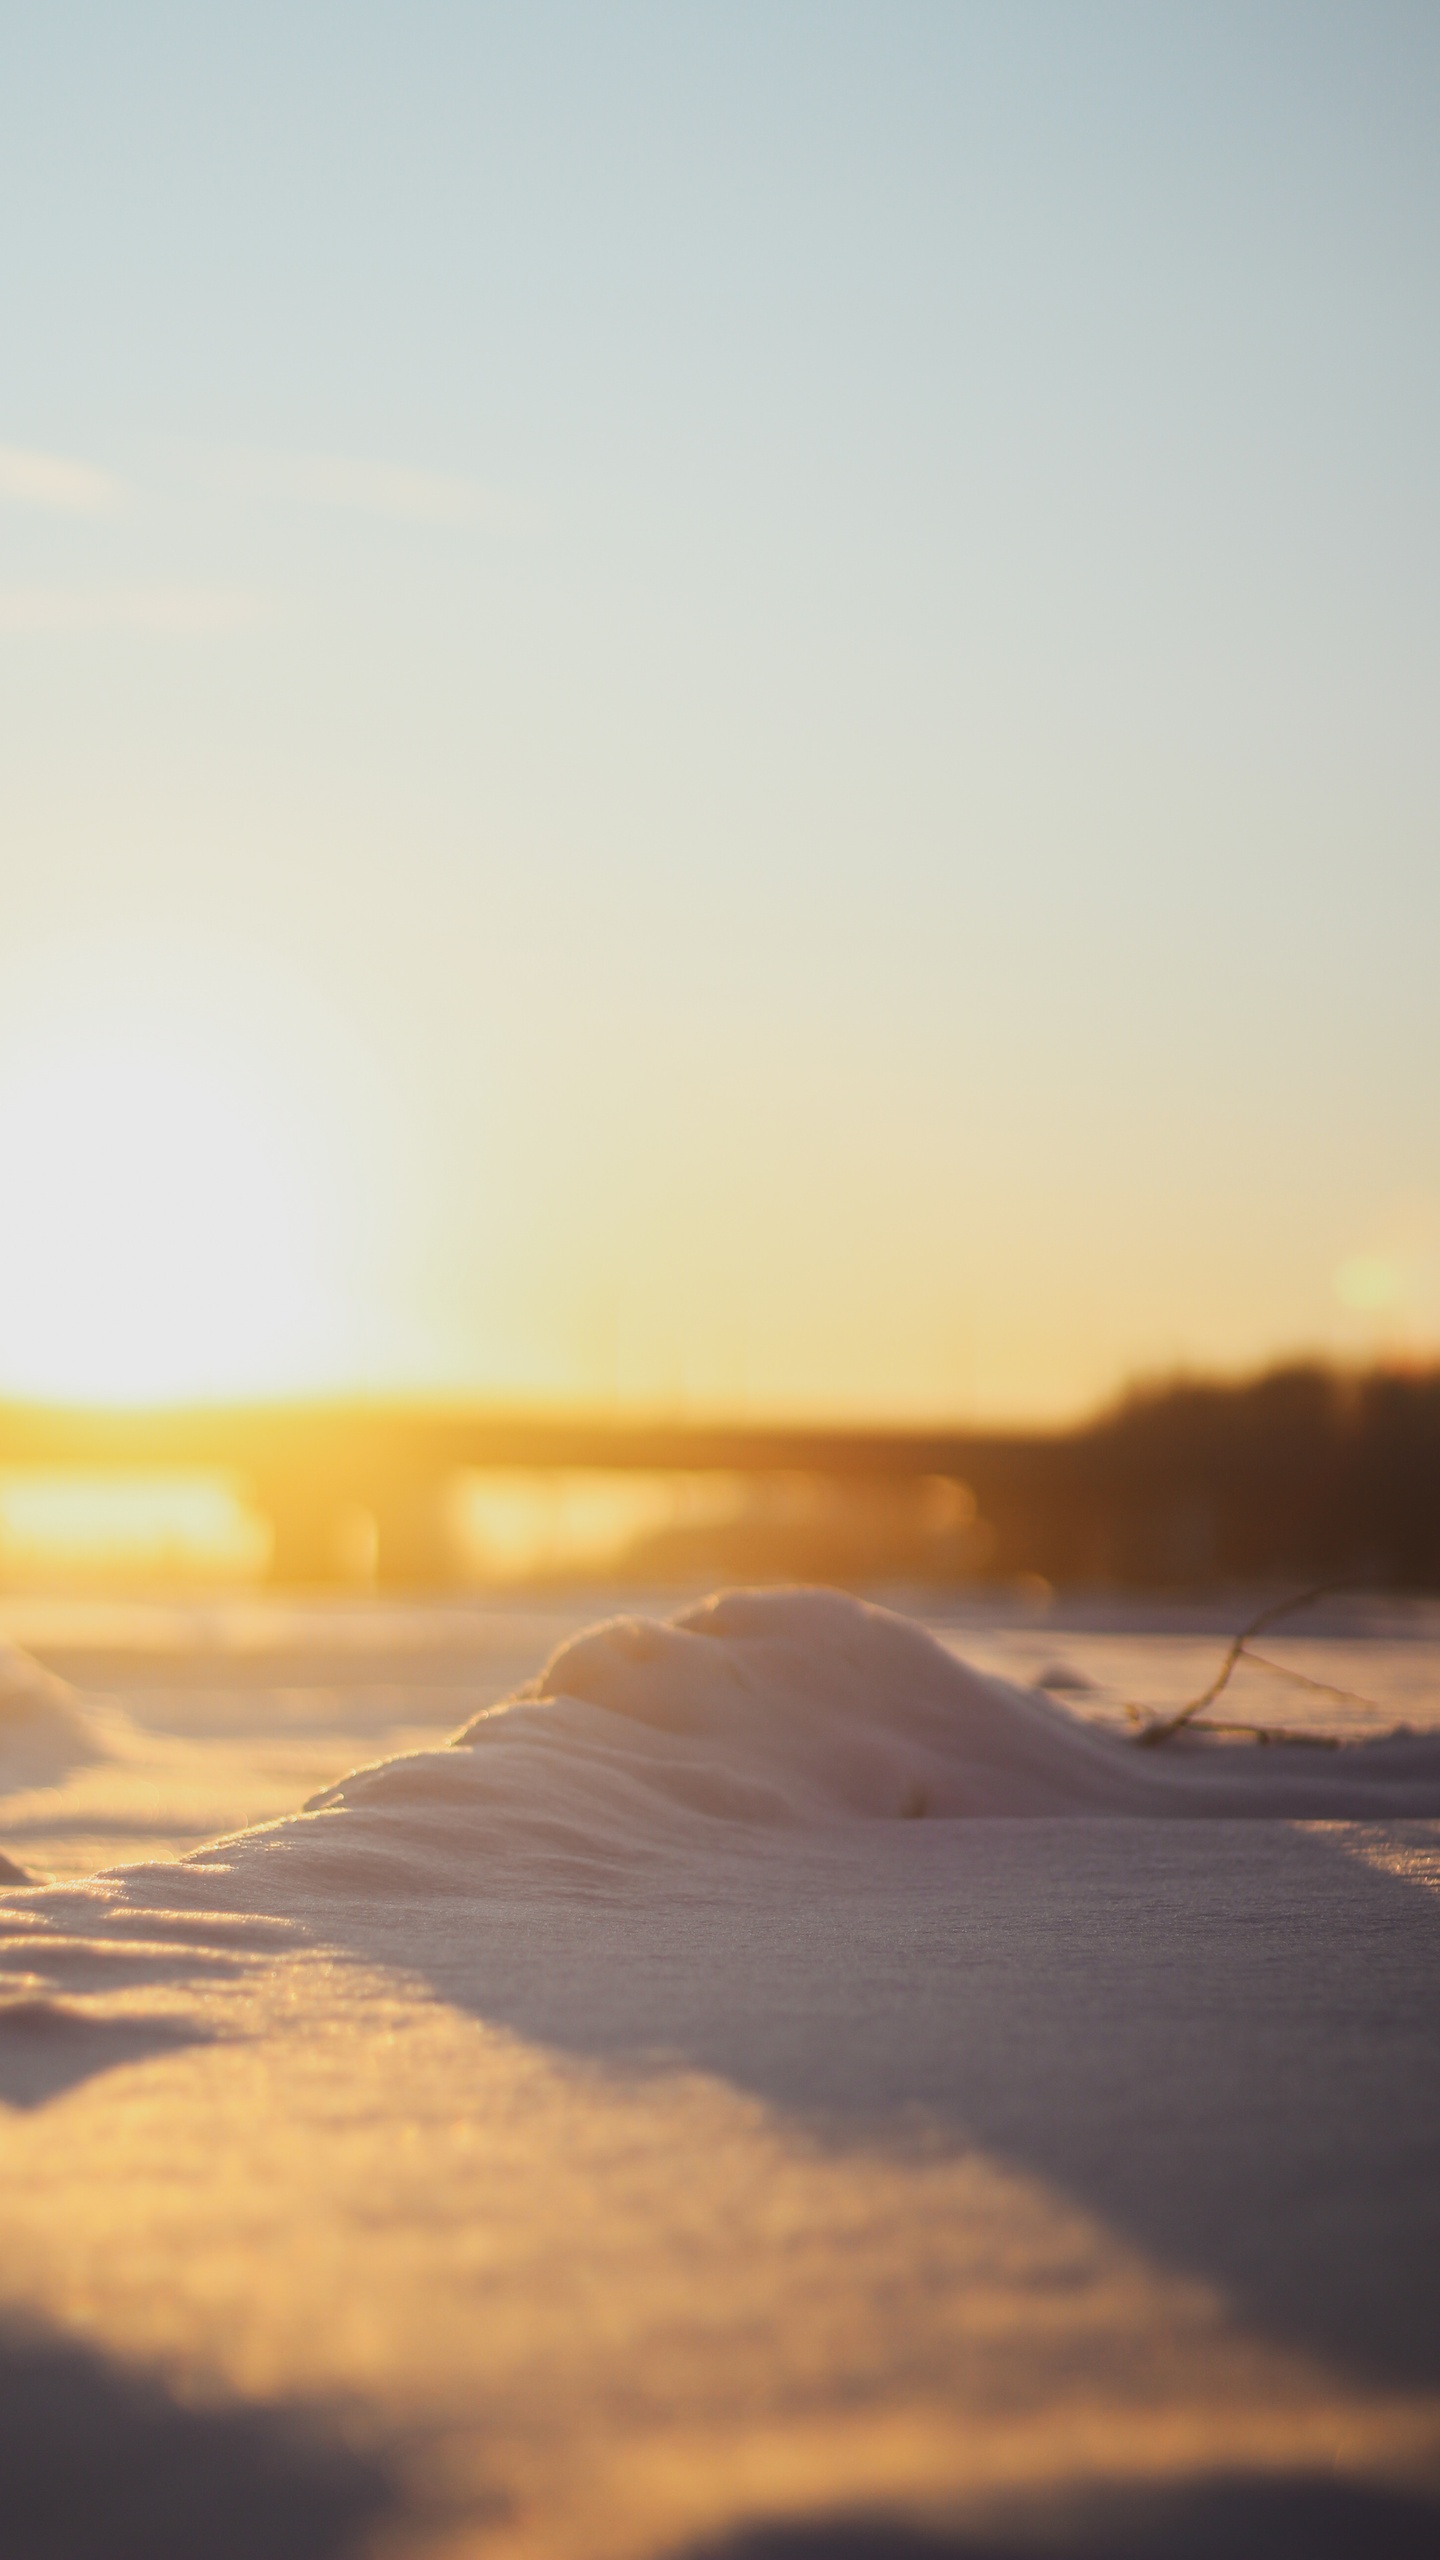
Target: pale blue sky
797, 644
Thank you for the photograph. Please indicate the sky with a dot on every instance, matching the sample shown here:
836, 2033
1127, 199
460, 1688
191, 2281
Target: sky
722, 709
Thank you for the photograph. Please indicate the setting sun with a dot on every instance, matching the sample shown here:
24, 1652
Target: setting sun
168, 1230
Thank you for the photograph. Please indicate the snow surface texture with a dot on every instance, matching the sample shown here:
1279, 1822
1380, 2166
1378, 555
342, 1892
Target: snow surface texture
622, 2134
44, 1729
776, 1710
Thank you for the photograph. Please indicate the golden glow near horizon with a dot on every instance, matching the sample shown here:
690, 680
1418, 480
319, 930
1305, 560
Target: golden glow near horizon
209, 1192
96, 1525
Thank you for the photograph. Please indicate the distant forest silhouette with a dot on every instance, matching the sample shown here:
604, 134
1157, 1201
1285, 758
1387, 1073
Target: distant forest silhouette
1305, 1473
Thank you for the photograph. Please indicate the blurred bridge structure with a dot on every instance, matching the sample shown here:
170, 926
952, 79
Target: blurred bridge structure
310, 1468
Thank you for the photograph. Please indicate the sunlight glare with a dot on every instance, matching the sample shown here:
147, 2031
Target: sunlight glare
165, 1220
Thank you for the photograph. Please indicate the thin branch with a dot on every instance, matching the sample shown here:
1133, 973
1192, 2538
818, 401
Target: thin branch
1303, 1680
1161, 1728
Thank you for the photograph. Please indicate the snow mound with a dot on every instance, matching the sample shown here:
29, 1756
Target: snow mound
44, 1729
772, 1710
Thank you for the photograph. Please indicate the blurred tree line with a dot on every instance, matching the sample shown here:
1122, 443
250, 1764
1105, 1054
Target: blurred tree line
1303, 1474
